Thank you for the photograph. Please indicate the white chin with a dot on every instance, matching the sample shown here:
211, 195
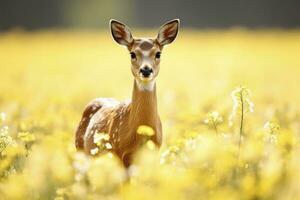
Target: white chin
145, 83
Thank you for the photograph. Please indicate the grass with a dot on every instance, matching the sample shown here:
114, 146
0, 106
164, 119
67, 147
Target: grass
47, 77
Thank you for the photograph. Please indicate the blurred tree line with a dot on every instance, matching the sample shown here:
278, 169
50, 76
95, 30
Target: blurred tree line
35, 14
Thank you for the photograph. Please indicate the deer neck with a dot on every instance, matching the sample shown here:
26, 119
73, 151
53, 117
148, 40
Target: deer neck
143, 106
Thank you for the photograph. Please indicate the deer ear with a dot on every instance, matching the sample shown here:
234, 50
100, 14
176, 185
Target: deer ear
168, 32
121, 33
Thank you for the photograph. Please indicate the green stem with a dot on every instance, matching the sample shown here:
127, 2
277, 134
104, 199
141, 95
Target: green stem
216, 129
241, 126
27, 149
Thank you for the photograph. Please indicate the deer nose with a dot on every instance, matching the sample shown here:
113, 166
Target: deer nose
146, 71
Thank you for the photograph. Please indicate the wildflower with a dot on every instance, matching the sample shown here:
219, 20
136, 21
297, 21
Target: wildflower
94, 151
26, 137
145, 130
108, 145
241, 100
242, 104
213, 120
169, 154
100, 137
102, 142
5, 139
150, 145
272, 129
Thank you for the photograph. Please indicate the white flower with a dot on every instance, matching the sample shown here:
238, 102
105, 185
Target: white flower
94, 151
213, 118
241, 103
108, 146
272, 129
99, 137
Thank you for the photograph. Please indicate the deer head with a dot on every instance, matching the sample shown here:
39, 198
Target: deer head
145, 53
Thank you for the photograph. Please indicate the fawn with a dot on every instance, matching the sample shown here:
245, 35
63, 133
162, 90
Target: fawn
120, 120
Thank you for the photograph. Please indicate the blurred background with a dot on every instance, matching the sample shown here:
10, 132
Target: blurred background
58, 55
94, 14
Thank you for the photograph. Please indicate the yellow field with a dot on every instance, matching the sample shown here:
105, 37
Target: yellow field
46, 78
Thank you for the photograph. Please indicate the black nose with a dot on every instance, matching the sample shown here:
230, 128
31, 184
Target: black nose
146, 71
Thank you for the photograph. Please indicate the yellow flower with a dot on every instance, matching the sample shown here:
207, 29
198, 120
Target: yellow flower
145, 130
26, 137
5, 139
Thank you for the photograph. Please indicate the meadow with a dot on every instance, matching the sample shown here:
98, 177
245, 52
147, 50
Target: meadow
229, 103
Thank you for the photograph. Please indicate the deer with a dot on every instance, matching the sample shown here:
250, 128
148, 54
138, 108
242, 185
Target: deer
121, 119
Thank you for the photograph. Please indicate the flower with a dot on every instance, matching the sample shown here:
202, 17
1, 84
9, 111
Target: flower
100, 137
241, 103
5, 139
213, 119
102, 142
145, 130
26, 137
271, 127
94, 151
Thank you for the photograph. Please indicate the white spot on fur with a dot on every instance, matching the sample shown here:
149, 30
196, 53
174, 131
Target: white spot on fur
108, 102
146, 53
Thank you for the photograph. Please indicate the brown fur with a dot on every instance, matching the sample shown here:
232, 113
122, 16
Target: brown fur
119, 119
121, 122
89, 111
146, 45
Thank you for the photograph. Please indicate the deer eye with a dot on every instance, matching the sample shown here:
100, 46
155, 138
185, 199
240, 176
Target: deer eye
132, 55
157, 55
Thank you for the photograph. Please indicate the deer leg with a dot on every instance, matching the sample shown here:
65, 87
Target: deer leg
127, 160
89, 111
